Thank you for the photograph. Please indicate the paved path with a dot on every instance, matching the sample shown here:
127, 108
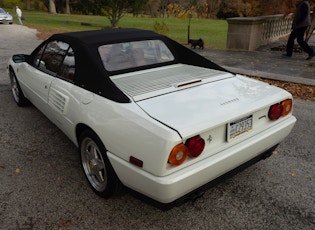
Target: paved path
266, 63
42, 185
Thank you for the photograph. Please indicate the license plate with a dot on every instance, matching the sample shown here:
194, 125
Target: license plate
239, 127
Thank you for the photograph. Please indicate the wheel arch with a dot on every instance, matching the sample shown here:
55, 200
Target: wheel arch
80, 128
10, 68
20, 98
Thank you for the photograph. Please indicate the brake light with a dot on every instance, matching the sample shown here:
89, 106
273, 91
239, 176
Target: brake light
192, 148
280, 109
275, 111
178, 154
195, 146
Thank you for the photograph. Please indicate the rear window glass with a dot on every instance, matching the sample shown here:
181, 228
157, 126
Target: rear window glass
127, 55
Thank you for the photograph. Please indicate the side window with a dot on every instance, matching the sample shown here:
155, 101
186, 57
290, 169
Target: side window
67, 68
38, 56
56, 58
53, 56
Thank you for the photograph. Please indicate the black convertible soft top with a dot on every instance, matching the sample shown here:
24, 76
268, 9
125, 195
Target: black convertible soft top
107, 36
90, 73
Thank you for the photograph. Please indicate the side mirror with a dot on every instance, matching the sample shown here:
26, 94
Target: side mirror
18, 58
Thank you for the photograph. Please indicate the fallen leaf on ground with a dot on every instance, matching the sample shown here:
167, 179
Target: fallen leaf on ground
66, 223
300, 91
80, 218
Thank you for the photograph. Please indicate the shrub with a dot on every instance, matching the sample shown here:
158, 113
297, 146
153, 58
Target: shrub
160, 28
12, 3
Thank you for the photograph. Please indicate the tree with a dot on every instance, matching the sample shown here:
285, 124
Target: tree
28, 4
138, 6
152, 8
213, 7
52, 7
269, 7
67, 7
163, 7
114, 10
86, 7
230, 8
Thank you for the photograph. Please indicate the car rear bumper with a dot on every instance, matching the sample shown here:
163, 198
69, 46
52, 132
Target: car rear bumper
169, 188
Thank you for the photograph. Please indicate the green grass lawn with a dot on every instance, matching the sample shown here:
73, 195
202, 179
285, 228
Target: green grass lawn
213, 32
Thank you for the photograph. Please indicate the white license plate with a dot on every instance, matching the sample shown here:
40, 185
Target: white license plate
239, 127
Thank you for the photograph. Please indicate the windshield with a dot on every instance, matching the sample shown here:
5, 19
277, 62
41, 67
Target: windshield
127, 55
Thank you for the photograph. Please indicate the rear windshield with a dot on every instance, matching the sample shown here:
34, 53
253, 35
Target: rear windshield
133, 54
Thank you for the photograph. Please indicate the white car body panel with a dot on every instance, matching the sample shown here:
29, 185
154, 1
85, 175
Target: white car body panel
183, 112
111, 125
169, 188
79, 106
145, 84
35, 84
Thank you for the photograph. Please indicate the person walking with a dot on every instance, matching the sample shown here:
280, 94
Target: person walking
301, 21
19, 15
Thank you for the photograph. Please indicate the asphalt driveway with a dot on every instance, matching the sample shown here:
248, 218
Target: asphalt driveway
42, 185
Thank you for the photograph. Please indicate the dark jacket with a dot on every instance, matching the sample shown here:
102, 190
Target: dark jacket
302, 16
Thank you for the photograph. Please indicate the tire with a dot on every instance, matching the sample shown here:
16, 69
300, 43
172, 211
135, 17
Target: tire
18, 95
96, 166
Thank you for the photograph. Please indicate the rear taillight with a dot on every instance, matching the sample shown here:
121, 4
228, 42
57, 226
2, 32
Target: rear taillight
275, 111
195, 146
178, 154
287, 107
280, 109
192, 148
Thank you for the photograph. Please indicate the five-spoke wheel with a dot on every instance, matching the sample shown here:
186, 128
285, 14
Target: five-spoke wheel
18, 95
96, 165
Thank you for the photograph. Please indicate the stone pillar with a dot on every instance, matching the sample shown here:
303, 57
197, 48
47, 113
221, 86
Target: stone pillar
244, 33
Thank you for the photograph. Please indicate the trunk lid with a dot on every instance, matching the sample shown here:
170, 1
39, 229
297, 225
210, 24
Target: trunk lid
192, 99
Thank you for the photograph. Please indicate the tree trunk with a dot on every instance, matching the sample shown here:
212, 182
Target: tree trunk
67, 7
52, 7
28, 4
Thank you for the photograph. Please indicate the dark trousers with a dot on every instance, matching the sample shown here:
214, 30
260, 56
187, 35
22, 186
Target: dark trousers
299, 35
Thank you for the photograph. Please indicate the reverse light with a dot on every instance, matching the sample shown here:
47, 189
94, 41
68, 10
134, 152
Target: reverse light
178, 154
195, 146
287, 107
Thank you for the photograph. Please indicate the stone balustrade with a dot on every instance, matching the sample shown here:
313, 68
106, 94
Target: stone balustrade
248, 33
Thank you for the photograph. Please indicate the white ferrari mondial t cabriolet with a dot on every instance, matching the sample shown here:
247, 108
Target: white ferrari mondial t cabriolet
148, 113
